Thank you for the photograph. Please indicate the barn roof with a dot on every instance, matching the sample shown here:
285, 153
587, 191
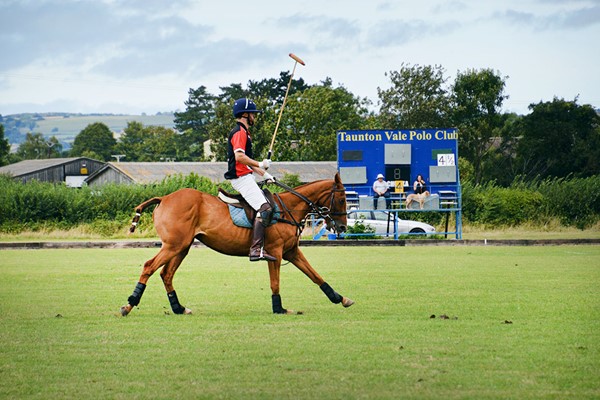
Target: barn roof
151, 172
29, 166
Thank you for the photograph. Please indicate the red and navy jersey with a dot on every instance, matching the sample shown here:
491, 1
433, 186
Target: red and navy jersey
239, 138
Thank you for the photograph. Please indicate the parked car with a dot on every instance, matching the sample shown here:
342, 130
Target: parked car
378, 220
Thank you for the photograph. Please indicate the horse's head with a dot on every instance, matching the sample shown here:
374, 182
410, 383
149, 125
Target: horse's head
336, 203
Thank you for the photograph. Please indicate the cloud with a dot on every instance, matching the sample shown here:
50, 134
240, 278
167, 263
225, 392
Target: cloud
123, 39
565, 20
399, 32
326, 32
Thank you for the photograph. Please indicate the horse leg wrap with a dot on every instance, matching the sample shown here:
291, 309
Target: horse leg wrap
332, 294
135, 298
277, 308
175, 306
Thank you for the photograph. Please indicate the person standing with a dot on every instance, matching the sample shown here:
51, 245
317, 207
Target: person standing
380, 188
240, 171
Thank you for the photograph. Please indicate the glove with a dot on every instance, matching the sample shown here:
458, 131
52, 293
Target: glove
268, 177
264, 164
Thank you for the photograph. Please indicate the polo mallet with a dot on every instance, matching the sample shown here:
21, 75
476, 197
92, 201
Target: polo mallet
297, 60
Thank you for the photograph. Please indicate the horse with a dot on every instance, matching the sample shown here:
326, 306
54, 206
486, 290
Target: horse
189, 214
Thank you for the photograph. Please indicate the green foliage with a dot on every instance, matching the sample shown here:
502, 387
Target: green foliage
575, 201
36, 146
4, 146
38, 205
96, 137
417, 98
292, 180
493, 205
477, 98
194, 123
360, 231
309, 125
559, 138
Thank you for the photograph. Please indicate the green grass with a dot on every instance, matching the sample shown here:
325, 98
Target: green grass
60, 336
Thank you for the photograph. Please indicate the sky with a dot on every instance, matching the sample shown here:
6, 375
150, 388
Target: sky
143, 56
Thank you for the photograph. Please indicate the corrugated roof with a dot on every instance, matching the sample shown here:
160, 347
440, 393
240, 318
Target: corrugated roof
150, 172
29, 166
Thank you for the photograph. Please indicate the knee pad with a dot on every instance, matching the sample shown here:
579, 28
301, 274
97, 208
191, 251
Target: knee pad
265, 212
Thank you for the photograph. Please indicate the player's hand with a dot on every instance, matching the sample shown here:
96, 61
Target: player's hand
264, 164
269, 177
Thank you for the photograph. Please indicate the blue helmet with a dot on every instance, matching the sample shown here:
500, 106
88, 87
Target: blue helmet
244, 105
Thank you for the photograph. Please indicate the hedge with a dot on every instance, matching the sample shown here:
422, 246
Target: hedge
31, 206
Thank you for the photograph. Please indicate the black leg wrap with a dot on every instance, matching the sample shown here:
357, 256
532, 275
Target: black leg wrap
135, 298
175, 306
277, 308
332, 294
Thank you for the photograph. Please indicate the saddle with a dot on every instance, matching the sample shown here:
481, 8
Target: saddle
239, 207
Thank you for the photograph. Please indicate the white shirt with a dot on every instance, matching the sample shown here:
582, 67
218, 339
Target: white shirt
380, 186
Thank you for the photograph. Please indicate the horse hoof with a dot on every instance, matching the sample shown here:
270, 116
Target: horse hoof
187, 311
125, 310
346, 302
292, 312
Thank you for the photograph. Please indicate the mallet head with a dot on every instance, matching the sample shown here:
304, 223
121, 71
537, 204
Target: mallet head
295, 57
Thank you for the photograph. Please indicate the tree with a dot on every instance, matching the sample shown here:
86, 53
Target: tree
308, 129
36, 146
476, 101
559, 138
131, 141
194, 121
417, 99
161, 144
4, 146
96, 138
150, 143
274, 89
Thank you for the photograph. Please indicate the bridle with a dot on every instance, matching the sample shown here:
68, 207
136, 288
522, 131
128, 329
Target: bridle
323, 212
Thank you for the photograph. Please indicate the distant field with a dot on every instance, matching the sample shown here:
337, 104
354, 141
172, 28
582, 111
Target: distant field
523, 323
65, 129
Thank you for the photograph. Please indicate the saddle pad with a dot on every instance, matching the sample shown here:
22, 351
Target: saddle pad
239, 218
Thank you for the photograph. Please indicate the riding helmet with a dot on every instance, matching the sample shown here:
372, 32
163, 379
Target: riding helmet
244, 105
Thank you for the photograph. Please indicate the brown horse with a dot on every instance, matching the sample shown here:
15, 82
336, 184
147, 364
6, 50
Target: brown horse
187, 214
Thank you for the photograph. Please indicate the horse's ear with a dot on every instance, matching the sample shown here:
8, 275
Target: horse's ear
337, 178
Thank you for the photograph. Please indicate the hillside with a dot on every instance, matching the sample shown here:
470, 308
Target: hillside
65, 126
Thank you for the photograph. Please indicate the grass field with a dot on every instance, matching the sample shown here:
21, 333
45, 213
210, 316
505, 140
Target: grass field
60, 335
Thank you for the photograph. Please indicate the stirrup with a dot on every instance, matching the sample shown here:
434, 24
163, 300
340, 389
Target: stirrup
262, 256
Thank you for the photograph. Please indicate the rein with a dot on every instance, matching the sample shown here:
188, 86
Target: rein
323, 212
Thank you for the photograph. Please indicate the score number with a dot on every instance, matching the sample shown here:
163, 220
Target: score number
444, 160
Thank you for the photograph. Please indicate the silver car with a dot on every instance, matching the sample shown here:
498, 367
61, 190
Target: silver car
383, 223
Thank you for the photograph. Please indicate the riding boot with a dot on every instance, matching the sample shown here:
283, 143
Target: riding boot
257, 251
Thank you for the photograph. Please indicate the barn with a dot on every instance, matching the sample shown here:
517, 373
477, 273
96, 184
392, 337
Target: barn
152, 172
72, 171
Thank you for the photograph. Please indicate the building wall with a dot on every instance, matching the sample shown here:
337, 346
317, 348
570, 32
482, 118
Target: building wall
110, 175
58, 173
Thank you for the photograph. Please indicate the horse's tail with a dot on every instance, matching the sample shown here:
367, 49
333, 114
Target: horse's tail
140, 208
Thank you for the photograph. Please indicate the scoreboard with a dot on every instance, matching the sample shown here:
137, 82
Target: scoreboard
400, 155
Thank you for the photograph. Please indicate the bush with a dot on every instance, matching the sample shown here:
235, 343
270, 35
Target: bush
108, 209
574, 201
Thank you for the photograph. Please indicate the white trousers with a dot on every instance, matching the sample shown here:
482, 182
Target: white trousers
249, 189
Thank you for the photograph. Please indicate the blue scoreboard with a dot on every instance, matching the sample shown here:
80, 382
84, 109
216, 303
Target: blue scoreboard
400, 155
